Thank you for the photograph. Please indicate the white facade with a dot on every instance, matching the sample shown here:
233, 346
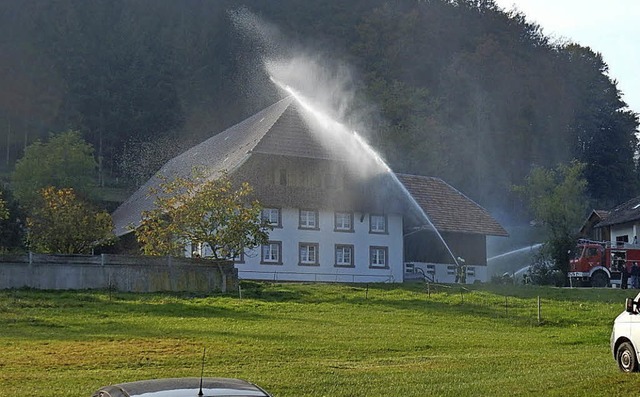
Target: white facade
303, 250
626, 232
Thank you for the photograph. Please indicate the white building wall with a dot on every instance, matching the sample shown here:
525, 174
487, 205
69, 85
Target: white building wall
628, 230
290, 235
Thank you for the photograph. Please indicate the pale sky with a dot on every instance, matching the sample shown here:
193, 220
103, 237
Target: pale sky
610, 27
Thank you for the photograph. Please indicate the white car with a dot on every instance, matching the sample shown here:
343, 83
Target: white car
625, 337
183, 387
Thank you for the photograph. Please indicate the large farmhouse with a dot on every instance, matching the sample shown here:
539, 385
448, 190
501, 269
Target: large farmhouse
338, 212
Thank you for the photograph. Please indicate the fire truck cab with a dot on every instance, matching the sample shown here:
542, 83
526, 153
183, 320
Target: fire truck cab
601, 264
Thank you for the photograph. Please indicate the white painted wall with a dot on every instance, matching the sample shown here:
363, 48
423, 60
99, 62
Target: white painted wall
290, 236
627, 229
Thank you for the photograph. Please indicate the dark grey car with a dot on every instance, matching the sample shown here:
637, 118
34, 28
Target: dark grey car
183, 387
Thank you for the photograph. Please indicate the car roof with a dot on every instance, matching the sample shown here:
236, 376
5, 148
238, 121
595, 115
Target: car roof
183, 387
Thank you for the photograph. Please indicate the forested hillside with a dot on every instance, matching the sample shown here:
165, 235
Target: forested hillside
455, 89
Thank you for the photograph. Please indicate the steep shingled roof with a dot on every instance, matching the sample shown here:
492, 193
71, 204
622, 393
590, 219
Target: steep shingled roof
448, 209
222, 152
624, 213
286, 130
283, 129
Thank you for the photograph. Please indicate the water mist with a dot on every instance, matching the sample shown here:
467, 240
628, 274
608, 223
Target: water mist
325, 89
356, 146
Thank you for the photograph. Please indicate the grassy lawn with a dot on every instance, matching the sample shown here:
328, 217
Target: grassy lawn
319, 340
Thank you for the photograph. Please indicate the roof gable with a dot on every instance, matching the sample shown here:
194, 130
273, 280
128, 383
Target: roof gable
295, 135
594, 218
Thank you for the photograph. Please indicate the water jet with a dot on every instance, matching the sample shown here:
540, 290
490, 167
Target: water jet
357, 143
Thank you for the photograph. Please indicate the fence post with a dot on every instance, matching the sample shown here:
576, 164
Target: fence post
539, 315
31, 279
173, 282
223, 279
110, 288
506, 306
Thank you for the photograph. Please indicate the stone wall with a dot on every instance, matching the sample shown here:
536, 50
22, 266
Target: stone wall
118, 272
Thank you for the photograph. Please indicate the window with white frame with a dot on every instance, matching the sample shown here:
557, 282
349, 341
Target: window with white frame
377, 223
308, 219
344, 255
272, 216
378, 257
272, 253
344, 221
308, 254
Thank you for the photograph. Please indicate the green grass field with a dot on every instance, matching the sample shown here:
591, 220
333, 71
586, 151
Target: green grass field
319, 340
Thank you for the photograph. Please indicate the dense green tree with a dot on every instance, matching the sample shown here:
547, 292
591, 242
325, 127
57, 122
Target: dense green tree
60, 223
32, 91
65, 161
557, 199
604, 131
4, 212
463, 90
198, 211
4, 215
119, 73
11, 223
480, 118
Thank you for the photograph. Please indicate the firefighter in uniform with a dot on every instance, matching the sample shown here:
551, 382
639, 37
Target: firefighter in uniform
461, 271
624, 275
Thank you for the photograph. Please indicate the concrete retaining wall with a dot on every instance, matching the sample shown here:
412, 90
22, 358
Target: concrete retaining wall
119, 272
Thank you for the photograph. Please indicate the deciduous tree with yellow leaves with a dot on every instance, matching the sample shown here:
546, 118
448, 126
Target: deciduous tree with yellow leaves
200, 211
4, 212
61, 223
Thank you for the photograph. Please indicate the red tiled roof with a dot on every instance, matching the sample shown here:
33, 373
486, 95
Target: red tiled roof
448, 209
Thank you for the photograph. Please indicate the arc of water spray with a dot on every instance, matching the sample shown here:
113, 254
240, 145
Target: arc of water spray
371, 152
523, 249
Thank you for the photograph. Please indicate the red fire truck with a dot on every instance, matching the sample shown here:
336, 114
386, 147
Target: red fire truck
601, 263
